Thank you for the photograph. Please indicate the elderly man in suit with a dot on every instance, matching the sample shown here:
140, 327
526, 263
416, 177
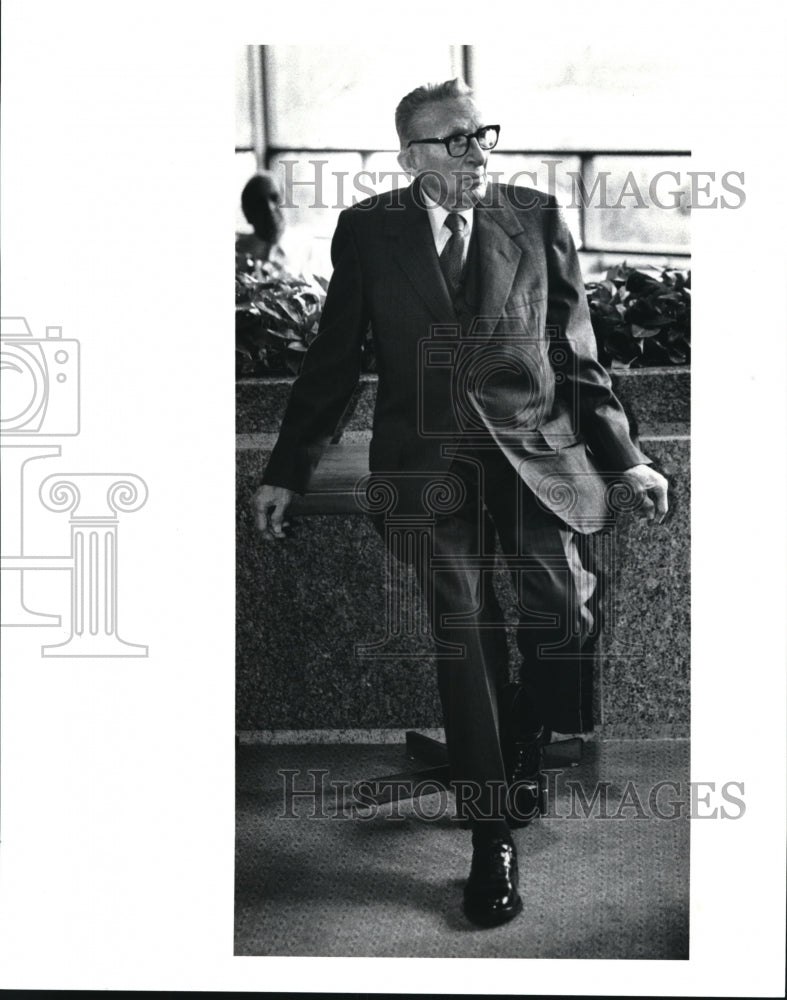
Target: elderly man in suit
489, 392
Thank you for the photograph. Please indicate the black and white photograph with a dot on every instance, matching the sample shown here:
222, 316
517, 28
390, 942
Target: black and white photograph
463, 652
434, 639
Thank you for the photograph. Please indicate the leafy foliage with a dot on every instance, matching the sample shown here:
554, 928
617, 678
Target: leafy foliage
641, 317
277, 316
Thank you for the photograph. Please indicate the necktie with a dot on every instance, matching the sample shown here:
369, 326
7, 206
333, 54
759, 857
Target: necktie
453, 251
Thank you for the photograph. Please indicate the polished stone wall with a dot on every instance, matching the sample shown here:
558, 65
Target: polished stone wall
305, 605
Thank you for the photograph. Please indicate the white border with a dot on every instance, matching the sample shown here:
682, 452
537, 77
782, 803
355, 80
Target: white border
117, 802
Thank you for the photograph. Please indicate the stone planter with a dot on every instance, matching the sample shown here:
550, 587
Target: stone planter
303, 605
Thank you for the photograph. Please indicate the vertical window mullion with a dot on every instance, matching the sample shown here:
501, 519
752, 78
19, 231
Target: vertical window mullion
260, 109
584, 171
467, 65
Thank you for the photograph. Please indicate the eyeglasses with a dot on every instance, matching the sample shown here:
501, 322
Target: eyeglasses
458, 145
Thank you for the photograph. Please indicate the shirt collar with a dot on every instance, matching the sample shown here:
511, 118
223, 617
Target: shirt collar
438, 215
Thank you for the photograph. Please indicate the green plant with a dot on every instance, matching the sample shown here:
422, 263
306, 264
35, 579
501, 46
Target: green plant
641, 317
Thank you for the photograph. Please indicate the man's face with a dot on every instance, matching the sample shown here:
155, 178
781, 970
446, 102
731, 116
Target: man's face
268, 219
455, 182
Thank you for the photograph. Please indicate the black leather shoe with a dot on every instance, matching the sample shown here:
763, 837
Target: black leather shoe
491, 894
522, 739
526, 783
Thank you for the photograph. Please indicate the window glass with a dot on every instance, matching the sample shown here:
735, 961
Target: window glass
315, 187
544, 171
243, 116
590, 86
344, 96
625, 208
383, 174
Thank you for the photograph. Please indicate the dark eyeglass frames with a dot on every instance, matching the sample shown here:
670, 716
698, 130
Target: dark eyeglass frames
458, 145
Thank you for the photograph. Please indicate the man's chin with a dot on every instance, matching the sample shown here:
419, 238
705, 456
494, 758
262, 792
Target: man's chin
471, 193
466, 192
478, 190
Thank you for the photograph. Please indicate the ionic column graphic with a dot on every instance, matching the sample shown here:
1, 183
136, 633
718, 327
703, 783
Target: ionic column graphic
408, 541
15, 560
94, 501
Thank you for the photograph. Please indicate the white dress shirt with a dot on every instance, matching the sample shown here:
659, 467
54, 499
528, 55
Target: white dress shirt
440, 232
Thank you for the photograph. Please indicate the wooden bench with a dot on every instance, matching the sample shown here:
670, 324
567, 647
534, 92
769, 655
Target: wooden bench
332, 489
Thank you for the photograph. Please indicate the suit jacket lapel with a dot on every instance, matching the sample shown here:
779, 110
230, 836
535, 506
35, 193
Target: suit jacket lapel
415, 253
500, 257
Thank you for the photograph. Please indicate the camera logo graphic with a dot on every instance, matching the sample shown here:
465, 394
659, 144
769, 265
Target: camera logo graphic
503, 382
40, 382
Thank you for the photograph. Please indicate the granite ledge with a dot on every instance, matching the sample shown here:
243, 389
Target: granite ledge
652, 397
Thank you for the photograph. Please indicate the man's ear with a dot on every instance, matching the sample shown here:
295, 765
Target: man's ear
405, 160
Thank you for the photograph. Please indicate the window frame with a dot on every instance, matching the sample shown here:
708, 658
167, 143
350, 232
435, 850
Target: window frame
265, 153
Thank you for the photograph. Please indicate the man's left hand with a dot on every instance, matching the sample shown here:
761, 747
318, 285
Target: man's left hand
652, 488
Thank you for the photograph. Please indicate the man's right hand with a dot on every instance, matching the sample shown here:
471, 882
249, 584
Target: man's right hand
271, 503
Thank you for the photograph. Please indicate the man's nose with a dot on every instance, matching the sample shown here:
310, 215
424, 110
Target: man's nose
474, 152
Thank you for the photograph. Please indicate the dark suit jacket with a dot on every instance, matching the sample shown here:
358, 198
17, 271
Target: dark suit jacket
523, 373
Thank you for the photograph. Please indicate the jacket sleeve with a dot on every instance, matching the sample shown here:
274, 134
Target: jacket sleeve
583, 383
330, 370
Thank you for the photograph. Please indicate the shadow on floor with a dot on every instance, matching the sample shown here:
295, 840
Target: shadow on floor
604, 875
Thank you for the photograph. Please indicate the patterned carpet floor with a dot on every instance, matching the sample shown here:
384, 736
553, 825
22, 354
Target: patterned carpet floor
603, 878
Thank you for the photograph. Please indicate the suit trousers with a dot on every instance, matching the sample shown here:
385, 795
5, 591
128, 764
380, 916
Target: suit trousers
455, 571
